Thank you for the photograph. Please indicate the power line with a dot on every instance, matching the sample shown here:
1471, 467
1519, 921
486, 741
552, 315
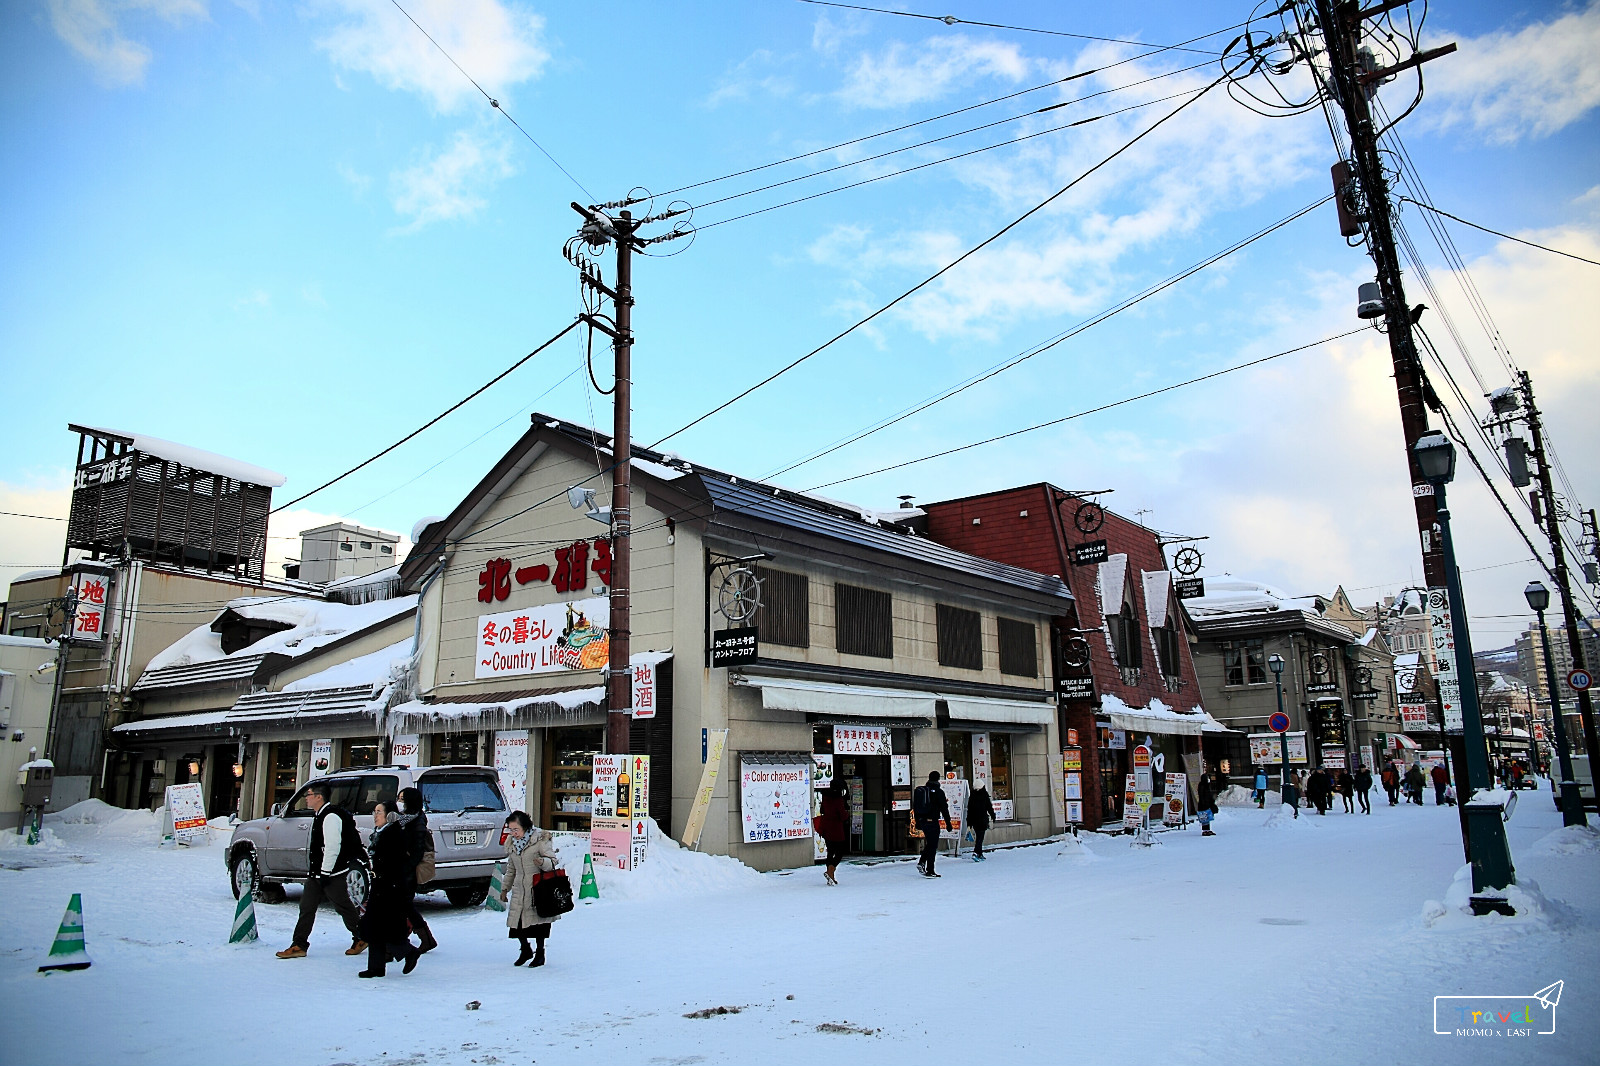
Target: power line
1060, 337
434, 420
1093, 410
42, 517
951, 20
492, 101
947, 267
1497, 233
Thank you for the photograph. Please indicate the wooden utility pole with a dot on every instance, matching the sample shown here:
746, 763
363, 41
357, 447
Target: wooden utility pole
619, 684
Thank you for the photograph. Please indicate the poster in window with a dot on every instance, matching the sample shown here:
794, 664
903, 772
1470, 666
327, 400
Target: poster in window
406, 750
899, 770
775, 798
858, 805
321, 757
822, 771
511, 766
981, 761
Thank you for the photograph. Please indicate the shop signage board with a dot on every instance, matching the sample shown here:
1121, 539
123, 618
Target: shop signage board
554, 638
735, 647
860, 740
1333, 757
1072, 738
1190, 588
406, 750
1075, 688
639, 807
321, 757
1370, 694
89, 616
1265, 749
1117, 739
858, 805
980, 761
186, 812
1175, 805
1450, 701
955, 792
511, 766
900, 770
1072, 759
1143, 778
1323, 686
610, 828
1074, 785
1132, 813
775, 798
1088, 553
1538, 731
821, 771
1413, 716
1442, 650
644, 690
715, 740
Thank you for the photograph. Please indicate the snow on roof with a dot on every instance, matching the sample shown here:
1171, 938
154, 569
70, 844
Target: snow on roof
196, 458
1230, 595
375, 668
35, 575
25, 642
313, 623
1368, 637
377, 577
1410, 658
38, 764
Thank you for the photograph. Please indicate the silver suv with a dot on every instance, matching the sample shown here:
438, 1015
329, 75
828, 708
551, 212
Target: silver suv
466, 814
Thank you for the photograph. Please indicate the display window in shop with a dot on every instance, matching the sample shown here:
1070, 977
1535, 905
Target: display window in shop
361, 752
456, 749
982, 759
568, 777
283, 762
873, 765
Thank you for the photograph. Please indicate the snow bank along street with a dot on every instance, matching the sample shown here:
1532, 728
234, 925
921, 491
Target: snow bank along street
1310, 940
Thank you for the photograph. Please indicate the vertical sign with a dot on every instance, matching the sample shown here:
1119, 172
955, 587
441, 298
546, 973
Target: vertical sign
639, 783
321, 757
406, 750
980, 760
1143, 777
186, 810
1132, 816
644, 690
858, 805
610, 831
955, 792
716, 739
511, 766
1443, 652
88, 621
1177, 799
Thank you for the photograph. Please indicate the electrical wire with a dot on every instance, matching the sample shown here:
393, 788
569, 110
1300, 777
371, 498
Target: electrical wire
1093, 410
434, 420
951, 20
1497, 233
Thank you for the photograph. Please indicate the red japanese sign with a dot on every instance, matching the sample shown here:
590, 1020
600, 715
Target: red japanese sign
570, 575
89, 615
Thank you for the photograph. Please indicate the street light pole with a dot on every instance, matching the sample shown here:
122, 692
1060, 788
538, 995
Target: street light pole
1276, 663
1572, 812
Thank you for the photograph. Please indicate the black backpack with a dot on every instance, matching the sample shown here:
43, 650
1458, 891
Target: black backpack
922, 804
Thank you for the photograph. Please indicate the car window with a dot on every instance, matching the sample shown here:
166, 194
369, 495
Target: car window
371, 790
298, 807
345, 792
456, 791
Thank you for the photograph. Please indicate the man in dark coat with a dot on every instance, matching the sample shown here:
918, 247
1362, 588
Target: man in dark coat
980, 815
1207, 806
929, 807
1319, 790
1441, 781
419, 842
1413, 782
389, 900
1363, 786
335, 848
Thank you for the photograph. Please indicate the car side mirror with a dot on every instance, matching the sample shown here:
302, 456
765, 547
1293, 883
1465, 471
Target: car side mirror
277, 810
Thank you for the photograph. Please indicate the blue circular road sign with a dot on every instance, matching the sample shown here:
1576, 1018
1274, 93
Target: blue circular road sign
1279, 722
1579, 680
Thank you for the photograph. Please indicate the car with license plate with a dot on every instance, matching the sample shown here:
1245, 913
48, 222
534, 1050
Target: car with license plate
466, 816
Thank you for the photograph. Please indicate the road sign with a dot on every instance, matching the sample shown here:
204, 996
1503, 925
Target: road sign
1279, 722
1579, 680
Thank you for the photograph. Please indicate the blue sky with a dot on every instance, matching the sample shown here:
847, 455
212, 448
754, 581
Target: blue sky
291, 232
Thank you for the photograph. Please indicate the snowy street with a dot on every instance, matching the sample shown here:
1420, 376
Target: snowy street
1255, 945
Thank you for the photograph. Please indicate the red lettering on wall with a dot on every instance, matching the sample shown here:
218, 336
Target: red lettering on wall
602, 561
494, 581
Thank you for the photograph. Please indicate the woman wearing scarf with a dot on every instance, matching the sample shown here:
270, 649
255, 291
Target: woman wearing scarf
383, 925
530, 853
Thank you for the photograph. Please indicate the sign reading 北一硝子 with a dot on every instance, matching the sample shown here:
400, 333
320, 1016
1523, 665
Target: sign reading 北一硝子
1089, 552
735, 647
1323, 686
573, 635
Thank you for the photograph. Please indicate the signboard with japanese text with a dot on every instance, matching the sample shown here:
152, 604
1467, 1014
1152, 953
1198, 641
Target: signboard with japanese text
186, 810
860, 740
1132, 813
1333, 757
980, 760
541, 640
1265, 749
1442, 649
735, 647
1116, 739
821, 771
1413, 716
1075, 811
1075, 688
955, 793
638, 807
1189, 588
715, 740
1089, 553
610, 824
1072, 759
775, 799
644, 690
406, 750
1074, 785
1175, 803
511, 766
321, 757
858, 804
89, 617
1450, 701
900, 770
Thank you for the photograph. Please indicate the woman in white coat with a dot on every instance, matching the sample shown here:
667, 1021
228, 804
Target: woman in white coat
530, 854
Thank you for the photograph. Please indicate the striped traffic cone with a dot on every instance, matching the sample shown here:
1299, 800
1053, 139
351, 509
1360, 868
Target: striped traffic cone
496, 886
244, 921
67, 952
588, 888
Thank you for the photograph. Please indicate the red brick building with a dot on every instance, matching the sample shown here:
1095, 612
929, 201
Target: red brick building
1139, 680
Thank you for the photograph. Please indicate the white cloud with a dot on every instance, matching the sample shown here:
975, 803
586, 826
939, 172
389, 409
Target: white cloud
92, 29
30, 543
499, 44
1509, 86
450, 184
904, 74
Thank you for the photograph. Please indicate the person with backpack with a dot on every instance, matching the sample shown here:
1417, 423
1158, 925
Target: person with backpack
1413, 783
1363, 785
335, 847
1441, 778
419, 850
1207, 806
1261, 787
1391, 784
930, 808
530, 855
980, 815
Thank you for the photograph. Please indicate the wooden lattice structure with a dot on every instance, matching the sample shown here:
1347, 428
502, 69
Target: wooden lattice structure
158, 502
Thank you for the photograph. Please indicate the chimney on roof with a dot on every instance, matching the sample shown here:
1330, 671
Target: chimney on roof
906, 504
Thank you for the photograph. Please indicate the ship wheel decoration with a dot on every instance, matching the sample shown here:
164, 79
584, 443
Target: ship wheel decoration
1364, 677
739, 596
1075, 652
1187, 562
1319, 664
1088, 517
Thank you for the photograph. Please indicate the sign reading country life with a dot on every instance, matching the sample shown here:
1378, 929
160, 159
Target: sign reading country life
735, 647
539, 640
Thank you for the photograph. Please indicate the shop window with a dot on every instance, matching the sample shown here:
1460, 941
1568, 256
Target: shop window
568, 775
1000, 766
361, 751
785, 614
1167, 638
958, 753
1125, 639
960, 637
285, 762
1019, 648
1244, 663
863, 624
458, 749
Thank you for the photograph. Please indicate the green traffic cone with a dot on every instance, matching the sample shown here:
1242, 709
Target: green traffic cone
588, 888
496, 886
244, 921
67, 952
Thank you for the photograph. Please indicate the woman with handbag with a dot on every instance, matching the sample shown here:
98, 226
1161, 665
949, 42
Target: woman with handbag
530, 857
419, 852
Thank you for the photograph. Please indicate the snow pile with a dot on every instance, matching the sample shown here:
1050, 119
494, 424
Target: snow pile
1569, 840
1076, 850
109, 820
1533, 907
48, 841
1236, 596
312, 622
669, 870
375, 668
1283, 817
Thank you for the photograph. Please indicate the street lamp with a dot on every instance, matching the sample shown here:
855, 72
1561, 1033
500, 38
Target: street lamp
1485, 826
1275, 662
1538, 598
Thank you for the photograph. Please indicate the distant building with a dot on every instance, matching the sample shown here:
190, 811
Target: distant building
341, 550
24, 715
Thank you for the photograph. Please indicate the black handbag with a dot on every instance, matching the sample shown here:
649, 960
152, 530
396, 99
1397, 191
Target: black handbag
552, 895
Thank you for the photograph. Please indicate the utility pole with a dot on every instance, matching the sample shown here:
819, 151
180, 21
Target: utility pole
1341, 21
1552, 521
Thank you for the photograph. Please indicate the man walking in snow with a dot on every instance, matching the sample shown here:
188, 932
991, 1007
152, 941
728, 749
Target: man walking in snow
1441, 779
930, 808
335, 847
1261, 786
1363, 787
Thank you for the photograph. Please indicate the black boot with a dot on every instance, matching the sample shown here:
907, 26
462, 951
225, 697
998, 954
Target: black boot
538, 956
412, 955
525, 954
377, 961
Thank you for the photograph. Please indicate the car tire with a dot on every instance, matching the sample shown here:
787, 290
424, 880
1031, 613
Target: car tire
470, 894
358, 883
245, 876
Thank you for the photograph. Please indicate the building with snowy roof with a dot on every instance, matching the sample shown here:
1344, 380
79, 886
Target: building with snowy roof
26, 682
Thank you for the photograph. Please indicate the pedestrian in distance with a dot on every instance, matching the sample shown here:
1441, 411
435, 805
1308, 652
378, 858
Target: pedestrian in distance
1261, 787
980, 815
1363, 787
419, 851
1441, 780
530, 855
1347, 791
1391, 784
385, 925
335, 847
1207, 806
931, 809
1292, 784
1413, 783
1319, 790
833, 826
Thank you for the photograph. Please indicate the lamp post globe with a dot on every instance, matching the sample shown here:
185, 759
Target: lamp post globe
1537, 595
1436, 455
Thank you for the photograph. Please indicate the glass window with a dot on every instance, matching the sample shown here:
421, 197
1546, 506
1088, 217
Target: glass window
957, 753
347, 547
386, 549
960, 637
285, 762
1019, 647
373, 788
1000, 761
361, 751
862, 621
366, 545
1245, 663
1255, 660
300, 807
461, 791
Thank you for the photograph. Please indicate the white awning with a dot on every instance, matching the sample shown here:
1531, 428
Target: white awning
852, 701
1189, 725
1003, 712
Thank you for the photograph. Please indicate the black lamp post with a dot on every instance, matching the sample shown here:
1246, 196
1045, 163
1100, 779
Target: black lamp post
1486, 832
1538, 598
1276, 663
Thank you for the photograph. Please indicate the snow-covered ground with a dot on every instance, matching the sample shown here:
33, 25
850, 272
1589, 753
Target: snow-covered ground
1278, 940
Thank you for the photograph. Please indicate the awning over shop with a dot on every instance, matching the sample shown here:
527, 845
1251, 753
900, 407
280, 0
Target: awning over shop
1406, 742
172, 726
1000, 712
843, 701
1157, 721
570, 706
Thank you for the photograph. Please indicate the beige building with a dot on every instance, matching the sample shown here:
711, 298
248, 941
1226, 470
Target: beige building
25, 691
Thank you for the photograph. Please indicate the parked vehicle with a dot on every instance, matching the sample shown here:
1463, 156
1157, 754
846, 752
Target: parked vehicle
466, 814
1582, 774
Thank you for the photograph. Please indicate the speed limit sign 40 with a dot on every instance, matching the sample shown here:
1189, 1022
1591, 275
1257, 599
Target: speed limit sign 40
1579, 680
